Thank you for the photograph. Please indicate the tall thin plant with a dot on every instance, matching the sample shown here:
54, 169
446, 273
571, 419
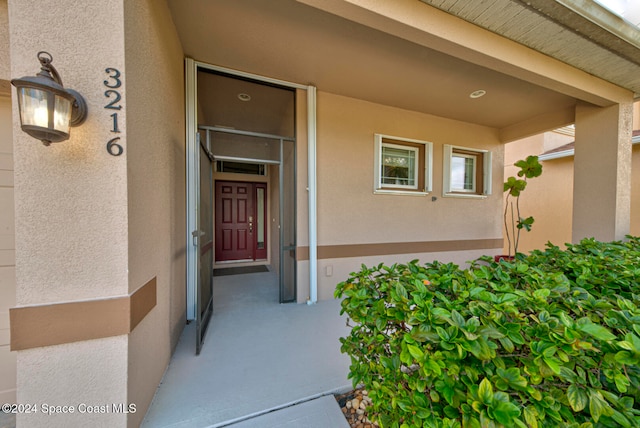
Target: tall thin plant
513, 187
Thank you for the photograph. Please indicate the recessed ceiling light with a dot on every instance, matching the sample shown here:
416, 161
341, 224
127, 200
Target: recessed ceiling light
477, 94
244, 97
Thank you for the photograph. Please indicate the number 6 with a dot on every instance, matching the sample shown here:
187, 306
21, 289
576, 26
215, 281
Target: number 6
114, 148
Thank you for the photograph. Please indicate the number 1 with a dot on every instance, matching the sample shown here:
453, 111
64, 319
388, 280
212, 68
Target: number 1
115, 122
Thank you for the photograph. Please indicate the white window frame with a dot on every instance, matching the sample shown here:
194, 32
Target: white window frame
448, 191
399, 189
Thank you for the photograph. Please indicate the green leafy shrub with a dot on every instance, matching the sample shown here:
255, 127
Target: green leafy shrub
550, 340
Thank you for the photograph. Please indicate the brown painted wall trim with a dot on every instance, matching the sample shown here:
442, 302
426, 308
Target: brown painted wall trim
390, 248
54, 324
141, 302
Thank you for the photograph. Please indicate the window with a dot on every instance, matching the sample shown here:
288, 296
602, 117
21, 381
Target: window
241, 167
399, 166
467, 172
463, 172
402, 165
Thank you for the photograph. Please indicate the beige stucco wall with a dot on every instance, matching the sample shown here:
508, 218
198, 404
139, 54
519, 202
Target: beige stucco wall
71, 209
635, 191
603, 144
7, 219
155, 189
520, 149
92, 225
71, 197
350, 213
7, 252
5, 63
302, 153
549, 198
302, 193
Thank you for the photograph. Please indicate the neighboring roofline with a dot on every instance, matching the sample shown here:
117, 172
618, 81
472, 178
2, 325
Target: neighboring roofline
556, 155
566, 130
571, 152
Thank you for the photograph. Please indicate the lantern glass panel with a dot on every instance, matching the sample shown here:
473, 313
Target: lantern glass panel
33, 109
62, 114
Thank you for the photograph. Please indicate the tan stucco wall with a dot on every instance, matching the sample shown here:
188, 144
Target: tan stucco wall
302, 192
71, 197
155, 190
635, 191
5, 63
520, 149
549, 198
7, 253
603, 144
71, 209
302, 153
350, 213
93, 225
551, 191
333, 271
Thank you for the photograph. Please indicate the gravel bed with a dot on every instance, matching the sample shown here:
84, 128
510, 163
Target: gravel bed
354, 407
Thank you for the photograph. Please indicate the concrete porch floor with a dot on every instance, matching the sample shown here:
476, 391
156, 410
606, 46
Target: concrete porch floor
259, 356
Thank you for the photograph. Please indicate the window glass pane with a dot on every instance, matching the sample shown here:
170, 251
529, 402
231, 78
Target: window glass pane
398, 166
241, 167
469, 175
260, 219
463, 173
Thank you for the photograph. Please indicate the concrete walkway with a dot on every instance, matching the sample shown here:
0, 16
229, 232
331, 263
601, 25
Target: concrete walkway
7, 420
322, 412
263, 364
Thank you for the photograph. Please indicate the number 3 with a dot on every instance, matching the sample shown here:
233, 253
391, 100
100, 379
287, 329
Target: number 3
115, 76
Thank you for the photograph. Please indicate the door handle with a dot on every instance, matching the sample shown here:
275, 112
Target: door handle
250, 224
196, 234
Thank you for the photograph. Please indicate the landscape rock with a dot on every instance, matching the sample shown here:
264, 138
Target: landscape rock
354, 406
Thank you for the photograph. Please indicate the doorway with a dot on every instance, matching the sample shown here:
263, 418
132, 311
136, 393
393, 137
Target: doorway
236, 202
240, 120
240, 213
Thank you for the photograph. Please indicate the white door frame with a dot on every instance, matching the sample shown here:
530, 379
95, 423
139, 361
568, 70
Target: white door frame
191, 85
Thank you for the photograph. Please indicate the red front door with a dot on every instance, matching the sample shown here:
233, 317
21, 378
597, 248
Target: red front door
237, 221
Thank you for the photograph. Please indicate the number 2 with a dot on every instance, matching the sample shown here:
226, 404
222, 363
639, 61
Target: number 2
112, 105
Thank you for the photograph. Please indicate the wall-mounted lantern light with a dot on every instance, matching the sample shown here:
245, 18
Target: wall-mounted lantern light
47, 109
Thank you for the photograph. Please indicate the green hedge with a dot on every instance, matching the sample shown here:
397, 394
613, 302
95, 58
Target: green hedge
549, 340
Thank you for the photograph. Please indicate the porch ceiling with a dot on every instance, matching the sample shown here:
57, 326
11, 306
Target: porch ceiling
295, 42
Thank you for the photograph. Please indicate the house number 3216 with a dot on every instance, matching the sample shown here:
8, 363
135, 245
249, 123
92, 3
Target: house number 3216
113, 83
